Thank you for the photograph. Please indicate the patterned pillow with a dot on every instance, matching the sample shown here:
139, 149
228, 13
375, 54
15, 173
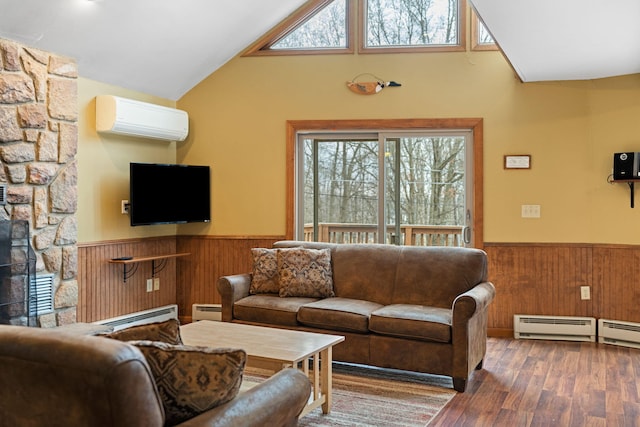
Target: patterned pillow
192, 380
265, 271
167, 331
305, 273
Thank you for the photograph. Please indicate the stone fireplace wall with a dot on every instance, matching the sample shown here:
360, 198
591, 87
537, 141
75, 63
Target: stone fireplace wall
38, 145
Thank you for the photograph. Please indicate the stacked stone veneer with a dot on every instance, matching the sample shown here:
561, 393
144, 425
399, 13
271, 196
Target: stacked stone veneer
38, 145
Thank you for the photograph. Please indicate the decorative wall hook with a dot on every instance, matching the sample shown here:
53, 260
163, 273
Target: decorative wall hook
369, 88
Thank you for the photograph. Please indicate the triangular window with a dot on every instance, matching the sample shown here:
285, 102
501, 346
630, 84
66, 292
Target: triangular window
481, 38
320, 26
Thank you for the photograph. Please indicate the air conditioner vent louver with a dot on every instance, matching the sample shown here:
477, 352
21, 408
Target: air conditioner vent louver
554, 328
616, 332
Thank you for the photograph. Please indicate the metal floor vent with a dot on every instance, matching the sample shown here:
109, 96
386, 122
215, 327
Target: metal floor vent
563, 328
3, 194
616, 332
41, 295
153, 315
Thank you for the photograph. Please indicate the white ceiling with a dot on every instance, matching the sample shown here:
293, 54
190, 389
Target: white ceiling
158, 47
166, 47
565, 39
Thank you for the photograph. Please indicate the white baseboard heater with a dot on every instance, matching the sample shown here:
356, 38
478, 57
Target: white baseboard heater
206, 312
616, 332
563, 328
159, 314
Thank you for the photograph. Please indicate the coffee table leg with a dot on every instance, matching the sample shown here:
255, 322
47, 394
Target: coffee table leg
326, 380
316, 377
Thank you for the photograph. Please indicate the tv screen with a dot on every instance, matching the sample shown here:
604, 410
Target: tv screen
169, 194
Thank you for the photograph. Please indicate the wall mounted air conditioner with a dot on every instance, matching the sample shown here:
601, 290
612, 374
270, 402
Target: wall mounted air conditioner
135, 118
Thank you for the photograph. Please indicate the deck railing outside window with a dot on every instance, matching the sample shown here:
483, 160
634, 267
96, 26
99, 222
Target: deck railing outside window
411, 235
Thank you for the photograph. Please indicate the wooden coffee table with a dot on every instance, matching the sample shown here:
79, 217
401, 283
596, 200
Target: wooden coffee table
273, 349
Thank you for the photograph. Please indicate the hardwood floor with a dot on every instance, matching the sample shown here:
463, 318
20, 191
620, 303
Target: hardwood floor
549, 383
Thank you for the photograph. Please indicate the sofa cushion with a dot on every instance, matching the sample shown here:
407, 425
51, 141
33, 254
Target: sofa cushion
435, 276
340, 314
305, 273
192, 380
265, 271
167, 331
412, 321
269, 309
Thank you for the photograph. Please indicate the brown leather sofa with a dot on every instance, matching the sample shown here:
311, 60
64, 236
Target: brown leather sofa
421, 309
56, 378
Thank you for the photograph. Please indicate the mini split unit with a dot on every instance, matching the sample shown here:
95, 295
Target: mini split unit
135, 118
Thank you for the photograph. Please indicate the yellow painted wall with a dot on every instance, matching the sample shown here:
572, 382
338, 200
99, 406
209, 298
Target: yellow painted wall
571, 130
103, 168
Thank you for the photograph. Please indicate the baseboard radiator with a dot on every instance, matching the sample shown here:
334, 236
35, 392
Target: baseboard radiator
206, 312
564, 328
159, 314
616, 332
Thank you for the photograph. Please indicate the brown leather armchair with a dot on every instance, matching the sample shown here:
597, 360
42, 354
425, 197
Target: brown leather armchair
50, 378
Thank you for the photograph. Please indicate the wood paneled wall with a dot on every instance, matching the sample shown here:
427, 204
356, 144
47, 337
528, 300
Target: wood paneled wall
212, 257
103, 294
546, 278
529, 278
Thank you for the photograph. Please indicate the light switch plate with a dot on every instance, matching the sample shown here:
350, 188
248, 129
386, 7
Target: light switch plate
530, 211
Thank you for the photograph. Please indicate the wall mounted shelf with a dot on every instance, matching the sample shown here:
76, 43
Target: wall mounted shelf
130, 265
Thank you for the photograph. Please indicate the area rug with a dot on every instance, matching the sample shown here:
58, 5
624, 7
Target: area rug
371, 397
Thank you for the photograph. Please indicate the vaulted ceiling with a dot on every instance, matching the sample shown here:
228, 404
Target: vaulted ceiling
164, 47
565, 39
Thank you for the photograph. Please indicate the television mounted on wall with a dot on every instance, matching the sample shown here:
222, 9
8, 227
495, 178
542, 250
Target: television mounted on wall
169, 194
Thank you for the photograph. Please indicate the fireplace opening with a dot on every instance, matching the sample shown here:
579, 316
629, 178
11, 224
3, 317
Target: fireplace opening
18, 295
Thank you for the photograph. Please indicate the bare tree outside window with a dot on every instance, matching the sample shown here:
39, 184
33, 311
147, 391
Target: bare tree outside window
326, 29
388, 24
411, 22
424, 182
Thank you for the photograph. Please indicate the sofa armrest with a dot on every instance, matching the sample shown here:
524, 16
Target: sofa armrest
475, 300
275, 402
231, 289
469, 331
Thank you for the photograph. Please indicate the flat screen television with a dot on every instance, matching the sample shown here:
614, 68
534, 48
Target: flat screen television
169, 194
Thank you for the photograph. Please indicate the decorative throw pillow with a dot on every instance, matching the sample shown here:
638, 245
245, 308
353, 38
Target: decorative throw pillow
167, 331
192, 380
305, 273
265, 271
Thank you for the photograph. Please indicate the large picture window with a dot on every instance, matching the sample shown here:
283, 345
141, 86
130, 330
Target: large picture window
397, 185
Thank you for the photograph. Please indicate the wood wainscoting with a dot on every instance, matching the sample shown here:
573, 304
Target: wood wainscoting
186, 280
102, 291
545, 279
212, 257
530, 278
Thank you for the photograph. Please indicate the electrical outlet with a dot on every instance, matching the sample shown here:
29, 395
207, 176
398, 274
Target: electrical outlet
585, 292
156, 284
149, 285
124, 207
530, 211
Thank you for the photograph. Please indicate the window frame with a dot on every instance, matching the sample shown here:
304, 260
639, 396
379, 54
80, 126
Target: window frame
355, 31
473, 124
263, 46
461, 46
475, 24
